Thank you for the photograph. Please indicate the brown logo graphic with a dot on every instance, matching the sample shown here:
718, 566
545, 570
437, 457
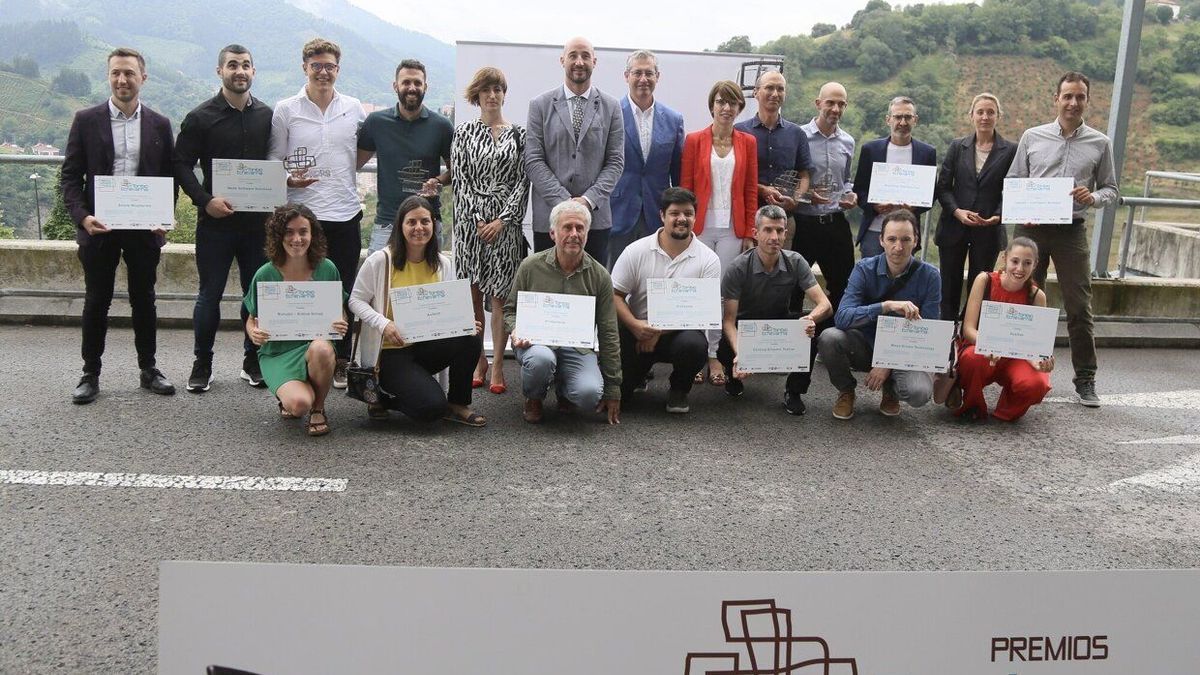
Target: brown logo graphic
765, 632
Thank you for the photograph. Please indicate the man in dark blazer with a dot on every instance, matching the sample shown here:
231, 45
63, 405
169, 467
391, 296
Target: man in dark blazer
120, 137
653, 149
898, 148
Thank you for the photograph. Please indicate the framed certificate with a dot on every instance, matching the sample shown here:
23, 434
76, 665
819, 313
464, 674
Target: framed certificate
773, 346
1016, 331
683, 304
299, 310
135, 202
556, 319
433, 311
922, 345
1041, 201
250, 185
910, 184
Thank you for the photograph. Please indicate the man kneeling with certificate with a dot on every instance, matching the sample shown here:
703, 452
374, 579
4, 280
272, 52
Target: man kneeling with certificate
892, 283
546, 313
759, 330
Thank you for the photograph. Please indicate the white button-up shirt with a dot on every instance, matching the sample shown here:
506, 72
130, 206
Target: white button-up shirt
127, 139
645, 126
330, 138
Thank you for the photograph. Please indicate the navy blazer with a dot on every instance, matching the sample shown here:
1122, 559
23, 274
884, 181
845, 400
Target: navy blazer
876, 151
643, 181
959, 187
90, 153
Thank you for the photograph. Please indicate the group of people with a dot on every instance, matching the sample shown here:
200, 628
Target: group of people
620, 195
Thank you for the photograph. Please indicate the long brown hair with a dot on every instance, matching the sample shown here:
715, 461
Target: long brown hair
399, 245
277, 230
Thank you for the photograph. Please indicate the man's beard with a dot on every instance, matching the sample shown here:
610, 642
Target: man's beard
404, 101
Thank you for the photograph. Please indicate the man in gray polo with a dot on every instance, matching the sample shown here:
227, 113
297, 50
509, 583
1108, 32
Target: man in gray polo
1068, 147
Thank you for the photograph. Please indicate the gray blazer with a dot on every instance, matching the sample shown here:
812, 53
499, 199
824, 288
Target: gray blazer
559, 167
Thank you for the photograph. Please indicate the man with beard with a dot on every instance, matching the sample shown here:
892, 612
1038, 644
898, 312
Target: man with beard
231, 125
575, 149
411, 143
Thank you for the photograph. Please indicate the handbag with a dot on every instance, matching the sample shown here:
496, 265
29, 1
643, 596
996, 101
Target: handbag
362, 382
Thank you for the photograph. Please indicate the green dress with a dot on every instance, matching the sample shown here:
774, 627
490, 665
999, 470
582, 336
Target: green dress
283, 361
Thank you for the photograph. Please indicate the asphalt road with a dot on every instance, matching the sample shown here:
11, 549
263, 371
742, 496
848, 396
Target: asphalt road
735, 485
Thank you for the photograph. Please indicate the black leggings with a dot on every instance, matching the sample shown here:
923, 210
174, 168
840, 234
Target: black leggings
405, 375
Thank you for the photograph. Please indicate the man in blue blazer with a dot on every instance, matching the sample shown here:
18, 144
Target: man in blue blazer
898, 148
653, 153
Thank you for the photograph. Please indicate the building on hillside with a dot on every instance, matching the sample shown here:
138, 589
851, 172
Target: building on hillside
1153, 4
11, 149
45, 150
369, 108
448, 111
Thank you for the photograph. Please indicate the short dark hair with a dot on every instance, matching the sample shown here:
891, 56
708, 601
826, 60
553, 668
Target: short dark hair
410, 64
1074, 76
129, 51
485, 78
904, 215
232, 49
399, 247
729, 91
676, 195
277, 230
318, 46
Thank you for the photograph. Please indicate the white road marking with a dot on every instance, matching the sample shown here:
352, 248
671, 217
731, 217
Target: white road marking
150, 480
1187, 399
1167, 440
1182, 477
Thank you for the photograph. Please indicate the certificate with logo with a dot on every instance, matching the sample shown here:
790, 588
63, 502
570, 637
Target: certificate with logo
299, 310
1016, 331
910, 184
433, 311
135, 202
1041, 201
683, 304
556, 319
922, 345
773, 346
249, 184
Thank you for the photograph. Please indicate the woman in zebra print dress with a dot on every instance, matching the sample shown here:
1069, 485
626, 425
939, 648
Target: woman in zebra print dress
491, 193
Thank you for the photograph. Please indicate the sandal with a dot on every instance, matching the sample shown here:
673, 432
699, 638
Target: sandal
699, 378
317, 428
283, 412
472, 419
717, 379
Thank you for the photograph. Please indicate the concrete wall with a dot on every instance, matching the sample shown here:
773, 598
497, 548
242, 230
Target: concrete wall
1165, 250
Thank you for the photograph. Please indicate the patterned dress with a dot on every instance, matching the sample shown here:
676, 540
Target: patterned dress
489, 183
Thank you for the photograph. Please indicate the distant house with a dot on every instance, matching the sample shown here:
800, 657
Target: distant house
11, 149
448, 111
369, 108
45, 150
1165, 3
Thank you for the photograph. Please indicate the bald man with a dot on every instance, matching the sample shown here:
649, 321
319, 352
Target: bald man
575, 149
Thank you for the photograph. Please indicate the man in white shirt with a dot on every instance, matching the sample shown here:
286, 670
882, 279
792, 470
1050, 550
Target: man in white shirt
315, 133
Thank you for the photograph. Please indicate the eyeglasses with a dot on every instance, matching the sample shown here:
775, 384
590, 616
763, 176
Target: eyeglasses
318, 66
637, 74
903, 118
722, 103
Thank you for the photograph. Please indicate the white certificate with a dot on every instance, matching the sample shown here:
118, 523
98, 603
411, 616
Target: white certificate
683, 304
922, 345
773, 346
135, 202
1016, 331
910, 184
433, 311
299, 310
556, 319
1042, 201
250, 184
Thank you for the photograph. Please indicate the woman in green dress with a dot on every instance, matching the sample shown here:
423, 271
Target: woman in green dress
298, 372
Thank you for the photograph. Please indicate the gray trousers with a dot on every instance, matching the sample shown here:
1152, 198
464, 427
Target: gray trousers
575, 376
844, 351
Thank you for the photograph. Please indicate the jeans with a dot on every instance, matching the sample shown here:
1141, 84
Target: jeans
576, 376
344, 242
381, 233
217, 245
100, 258
845, 350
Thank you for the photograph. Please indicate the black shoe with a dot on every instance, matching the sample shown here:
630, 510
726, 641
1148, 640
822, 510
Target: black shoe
87, 389
793, 404
677, 401
734, 387
155, 381
251, 373
201, 378
1086, 391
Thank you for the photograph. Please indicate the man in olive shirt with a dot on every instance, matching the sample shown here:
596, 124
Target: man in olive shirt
580, 377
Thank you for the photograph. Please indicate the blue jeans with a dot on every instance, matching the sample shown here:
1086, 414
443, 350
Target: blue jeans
575, 376
380, 234
216, 248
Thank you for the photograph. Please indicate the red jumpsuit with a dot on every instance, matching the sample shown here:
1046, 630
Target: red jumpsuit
1023, 386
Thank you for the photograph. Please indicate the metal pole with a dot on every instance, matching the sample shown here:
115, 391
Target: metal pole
1125, 237
1118, 125
37, 206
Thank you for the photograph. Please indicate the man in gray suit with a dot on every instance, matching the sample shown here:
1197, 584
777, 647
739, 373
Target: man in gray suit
575, 149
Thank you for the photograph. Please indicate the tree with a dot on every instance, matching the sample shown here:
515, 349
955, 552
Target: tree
876, 61
5, 232
872, 6
25, 67
820, 29
737, 43
72, 83
1164, 14
58, 224
1187, 52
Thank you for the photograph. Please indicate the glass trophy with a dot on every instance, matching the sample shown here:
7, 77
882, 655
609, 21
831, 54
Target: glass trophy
299, 162
412, 179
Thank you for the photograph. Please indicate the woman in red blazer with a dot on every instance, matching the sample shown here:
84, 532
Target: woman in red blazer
720, 165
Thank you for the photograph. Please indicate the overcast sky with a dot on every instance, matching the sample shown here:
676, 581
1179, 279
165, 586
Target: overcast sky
689, 25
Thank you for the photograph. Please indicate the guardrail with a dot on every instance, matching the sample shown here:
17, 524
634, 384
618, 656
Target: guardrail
1143, 202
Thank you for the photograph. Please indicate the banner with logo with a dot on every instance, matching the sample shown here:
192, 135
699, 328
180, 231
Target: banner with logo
295, 619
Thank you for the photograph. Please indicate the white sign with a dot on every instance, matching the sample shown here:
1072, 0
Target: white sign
922, 345
775, 346
910, 184
250, 185
302, 619
135, 202
1016, 331
683, 304
299, 310
1041, 201
433, 311
556, 319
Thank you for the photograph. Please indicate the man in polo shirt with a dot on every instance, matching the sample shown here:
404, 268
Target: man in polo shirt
894, 283
1069, 147
319, 125
231, 125
784, 165
580, 377
760, 284
671, 252
411, 143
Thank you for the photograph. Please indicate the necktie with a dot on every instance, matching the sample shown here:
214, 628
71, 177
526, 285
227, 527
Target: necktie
576, 114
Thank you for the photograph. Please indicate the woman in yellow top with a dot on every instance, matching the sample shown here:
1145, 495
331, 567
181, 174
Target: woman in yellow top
405, 370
